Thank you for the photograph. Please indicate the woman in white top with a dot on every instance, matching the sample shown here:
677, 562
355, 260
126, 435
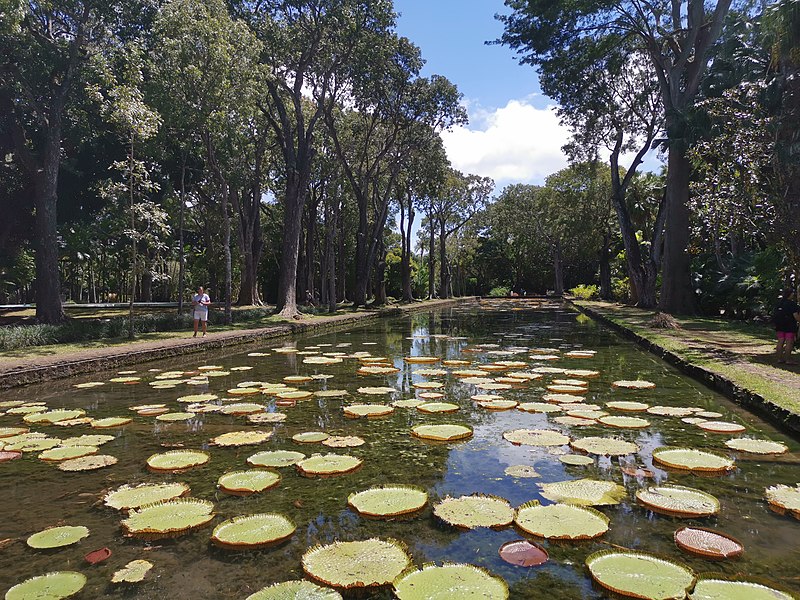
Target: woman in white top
201, 302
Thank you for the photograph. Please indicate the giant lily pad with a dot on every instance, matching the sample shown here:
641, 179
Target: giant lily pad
784, 498
110, 422
51, 586
707, 543
721, 427
640, 575
523, 553
242, 408
176, 461
723, 589
174, 417
691, 459
87, 463
475, 511
328, 465
539, 407
584, 492
438, 407
128, 497
628, 406
536, 437
451, 581
166, 519
603, 446
376, 391
295, 590
757, 446
385, 501
561, 521
53, 416
91, 439
343, 441
133, 572
361, 564
441, 433
368, 410
678, 501
195, 398
275, 458
241, 438
252, 531
310, 437
638, 384
6, 432
60, 453
56, 537
624, 422
244, 483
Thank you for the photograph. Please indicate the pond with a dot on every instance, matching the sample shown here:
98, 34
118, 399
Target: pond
37, 494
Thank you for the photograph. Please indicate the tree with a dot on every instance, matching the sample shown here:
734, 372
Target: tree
677, 36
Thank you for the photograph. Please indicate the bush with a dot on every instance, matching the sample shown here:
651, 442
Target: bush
585, 292
621, 289
500, 291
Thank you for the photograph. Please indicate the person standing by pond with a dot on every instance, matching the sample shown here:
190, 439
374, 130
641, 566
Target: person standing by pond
200, 301
786, 316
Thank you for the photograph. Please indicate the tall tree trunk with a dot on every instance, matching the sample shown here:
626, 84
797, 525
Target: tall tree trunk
444, 266
431, 258
292, 224
605, 268
405, 258
362, 249
311, 234
133, 242
676, 287
558, 269
226, 243
331, 218
380, 273
248, 208
341, 290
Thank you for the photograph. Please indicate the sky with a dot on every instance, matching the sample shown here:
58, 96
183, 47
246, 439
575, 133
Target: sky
513, 134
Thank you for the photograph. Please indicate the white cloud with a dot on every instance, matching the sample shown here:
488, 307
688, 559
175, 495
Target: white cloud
517, 143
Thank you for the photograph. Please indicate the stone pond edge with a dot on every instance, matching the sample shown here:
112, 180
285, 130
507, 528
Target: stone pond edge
80, 366
742, 396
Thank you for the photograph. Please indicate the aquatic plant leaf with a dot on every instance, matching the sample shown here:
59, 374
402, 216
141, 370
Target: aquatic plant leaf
707, 543
721, 427
175, 417
310, 437
242, 408
386, 501
328, 464
331, 393
723, 589
523, 553
475, 511
638, 384
127, 497
261, 418
576, 460
539, 407
428, 385
603, 446
275, 458
756, 446
442, 433
624, 422
252, 531
368, 410
438, 407
168, 518
691, 459
567, 389
60, 453
6, 432
678, 501
248, 482
536, 437
521, 471
194, 398
177, 460
361, 564
416, 360
54, 416
584, 492
628, 406
295, 395
376, 391
410, 403
450, 581
295, 590
241, 438
640, 575
343, 441
134, 572
87, 463
109, 422
56, 537
50, 586
561, 521
784, 498
498, 405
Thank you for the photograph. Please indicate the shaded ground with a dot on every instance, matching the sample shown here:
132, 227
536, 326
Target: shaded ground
740, 352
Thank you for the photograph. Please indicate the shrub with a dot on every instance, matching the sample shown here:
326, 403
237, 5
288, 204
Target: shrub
500, 291
585, 292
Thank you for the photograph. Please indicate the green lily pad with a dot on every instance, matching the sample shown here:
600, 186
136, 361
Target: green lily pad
536, 437
678, 501
627, 405
275, 458
438, 407
584, 492
344, 441
538, 407
310, 437
252, 531
164, 519
498, 405
386, 501
56, 537
638, 384
90, 439
133, 572
451, 581
785, 498
603, 446
624, 422
576, 460
368, 410
7, 432
244, 483
242, 408
177, 460
175, 416
127, 497
295, 590
109, 422
757, 446
521, 471
640, 575
195, 398
87, 463
60, 453
328, 465
691, 459
441, 433
241, 438
54, 416
723, 589
561, 521
410, 403
363, 564
475, 511
51, 586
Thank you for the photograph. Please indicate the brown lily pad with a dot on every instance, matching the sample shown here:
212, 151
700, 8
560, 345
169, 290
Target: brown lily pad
708, 543
523, 553
98, 556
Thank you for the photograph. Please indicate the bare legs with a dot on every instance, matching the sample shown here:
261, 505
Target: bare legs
783, 351
197, 321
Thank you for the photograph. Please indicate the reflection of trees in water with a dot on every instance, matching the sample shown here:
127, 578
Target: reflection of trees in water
552, 587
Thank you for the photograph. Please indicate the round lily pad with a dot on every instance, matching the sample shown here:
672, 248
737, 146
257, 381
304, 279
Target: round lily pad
561, 521
50, 586
707, 543
640, 575
624, 422
244, 483
195, 398
536, 437
110, 422
376, 391
442, 433
563, 398
638, 384
6, 432
567, 389
721, 427
522, 471
362, 564
343, 441
691, 459
91, 439
385, 501
273, 417
241, 438
176, 461
410, 403
252, 531
172, 417
603, 446
368, 410
678, 501
242, 408
53, 416
170, 518
784, 498
584, 492
438, 407
275, 458
295, 590
421, 360
627, 406
538, 407
310, 437
328, 465
671, 411
576, 460
451, 581
498, 405
87, 463
60, 453
134, 572
723, 589
756, 446
475, 511
523, 553
128, 497
56, 537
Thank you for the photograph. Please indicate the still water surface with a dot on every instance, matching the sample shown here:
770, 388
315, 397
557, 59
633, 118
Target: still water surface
36, 495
